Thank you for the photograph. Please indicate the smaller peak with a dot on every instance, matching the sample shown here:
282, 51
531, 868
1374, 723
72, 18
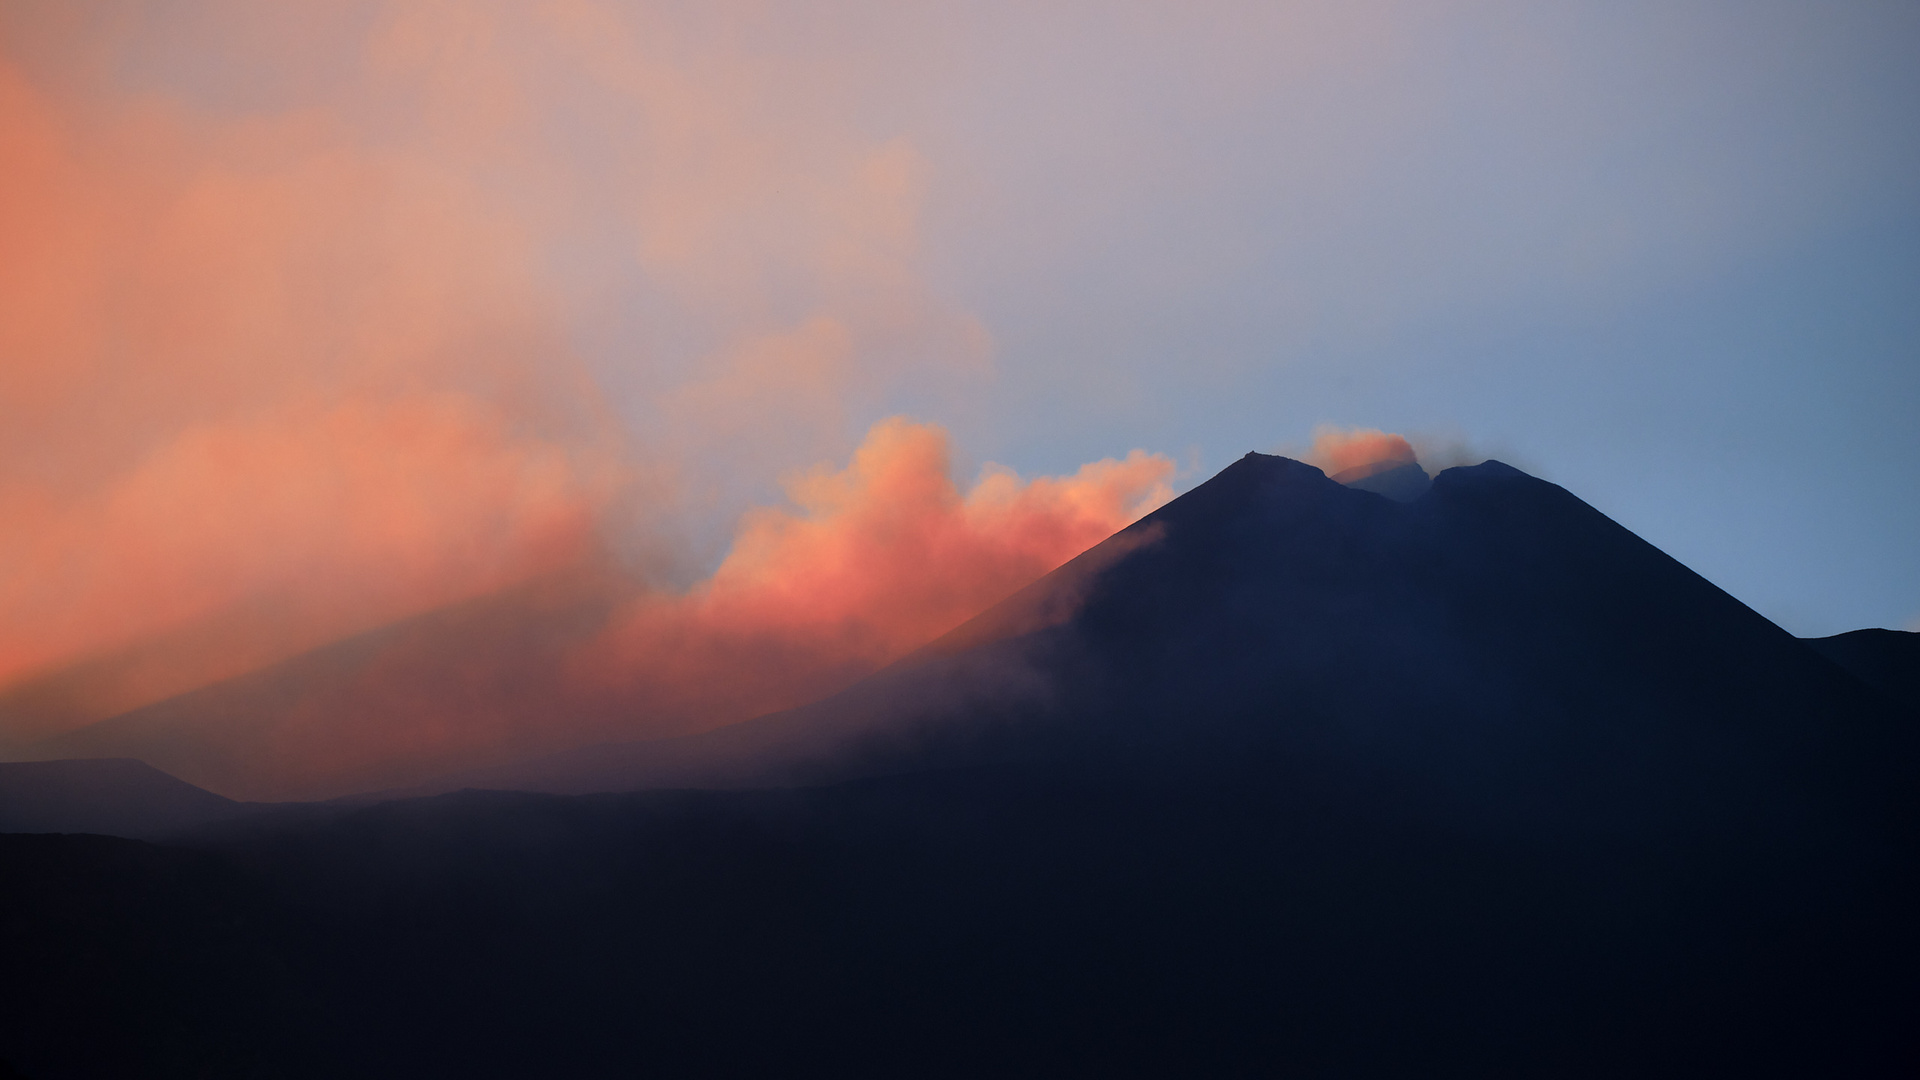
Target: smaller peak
1495, 467
1489, 469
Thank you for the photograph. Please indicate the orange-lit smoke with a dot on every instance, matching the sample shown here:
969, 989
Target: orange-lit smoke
872, 561
285, 367
1335, 450
297, 528
867, 563
281, 370
263, 387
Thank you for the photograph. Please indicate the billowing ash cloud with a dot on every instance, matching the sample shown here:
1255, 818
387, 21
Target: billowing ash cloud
307, 364
298, 358
888, 553
266, 386
867, 563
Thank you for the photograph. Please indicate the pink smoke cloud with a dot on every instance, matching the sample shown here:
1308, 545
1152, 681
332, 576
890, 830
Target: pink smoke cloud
870, 562
265, 387
278, 374
1336, 450
867, 563
297, 369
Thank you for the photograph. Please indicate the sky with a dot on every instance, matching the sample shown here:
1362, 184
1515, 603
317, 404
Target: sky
735, 318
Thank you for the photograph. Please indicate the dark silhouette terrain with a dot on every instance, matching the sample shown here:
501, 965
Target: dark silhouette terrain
111, 796
1496, 640
1288, 778
1887, 660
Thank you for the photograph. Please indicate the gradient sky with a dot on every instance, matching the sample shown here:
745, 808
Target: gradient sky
1667, 255
319, 316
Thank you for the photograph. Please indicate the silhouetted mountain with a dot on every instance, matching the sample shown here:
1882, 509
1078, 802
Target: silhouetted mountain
1887, 660
112, 796
1497, 639
1286, 779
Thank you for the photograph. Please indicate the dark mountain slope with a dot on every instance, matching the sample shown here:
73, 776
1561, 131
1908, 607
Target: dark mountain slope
114, 796
1497, 645
126, 958
1498, 642
1887, 660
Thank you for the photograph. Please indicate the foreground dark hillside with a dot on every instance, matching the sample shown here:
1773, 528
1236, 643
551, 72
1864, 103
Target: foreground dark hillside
988, 922
1288, 778
1887, 660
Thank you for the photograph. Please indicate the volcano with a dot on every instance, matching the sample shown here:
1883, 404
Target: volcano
1289, 777
1495, 644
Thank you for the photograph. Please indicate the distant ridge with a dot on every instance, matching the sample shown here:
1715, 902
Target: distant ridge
1887, 660
109, 796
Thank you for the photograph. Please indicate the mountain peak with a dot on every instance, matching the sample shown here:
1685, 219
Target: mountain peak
1270, 464
1489, 469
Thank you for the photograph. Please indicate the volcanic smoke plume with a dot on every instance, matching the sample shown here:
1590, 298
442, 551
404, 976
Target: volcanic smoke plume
307, 350
290, 341
869, 562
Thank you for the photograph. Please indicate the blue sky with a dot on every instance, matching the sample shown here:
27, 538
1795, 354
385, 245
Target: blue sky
1667, 255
